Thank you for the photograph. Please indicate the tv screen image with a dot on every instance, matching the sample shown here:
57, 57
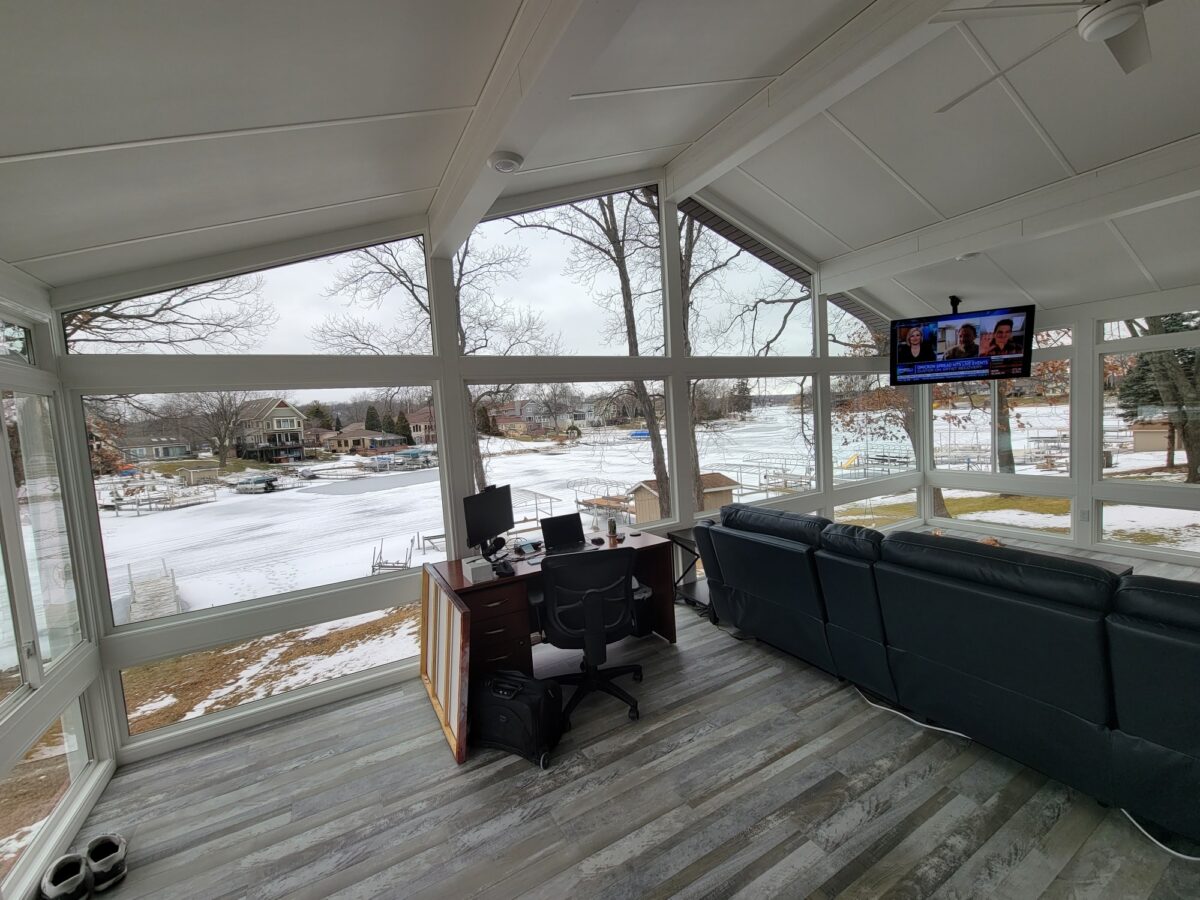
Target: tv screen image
965, 346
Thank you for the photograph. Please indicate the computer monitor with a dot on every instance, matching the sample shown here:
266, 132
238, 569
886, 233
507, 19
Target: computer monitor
488, 513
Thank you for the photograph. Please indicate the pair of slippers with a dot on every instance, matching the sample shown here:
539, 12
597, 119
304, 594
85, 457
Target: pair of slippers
77, 875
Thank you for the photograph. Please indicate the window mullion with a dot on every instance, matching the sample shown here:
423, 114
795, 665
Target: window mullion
20, 586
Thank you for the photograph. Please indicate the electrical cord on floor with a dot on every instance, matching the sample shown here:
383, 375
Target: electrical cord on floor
897, 712
1136, 824
1161, 846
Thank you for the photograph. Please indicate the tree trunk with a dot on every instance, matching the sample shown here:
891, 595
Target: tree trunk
1191, 445
478, 475
1170, 445
1004, 451
656, 446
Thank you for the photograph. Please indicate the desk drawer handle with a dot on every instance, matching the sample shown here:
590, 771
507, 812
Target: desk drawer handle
496, 631
497, 603
498, 658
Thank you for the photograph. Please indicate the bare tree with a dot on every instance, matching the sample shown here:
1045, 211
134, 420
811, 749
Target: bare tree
226, 315
615, 252
395, 274
211, 416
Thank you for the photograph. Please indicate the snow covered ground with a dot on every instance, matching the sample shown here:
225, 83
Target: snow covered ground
245, 546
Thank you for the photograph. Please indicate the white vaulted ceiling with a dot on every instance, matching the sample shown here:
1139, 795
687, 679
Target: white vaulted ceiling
140, 135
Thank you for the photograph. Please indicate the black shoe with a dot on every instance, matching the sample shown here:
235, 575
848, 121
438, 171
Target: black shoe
68, 878
106, 859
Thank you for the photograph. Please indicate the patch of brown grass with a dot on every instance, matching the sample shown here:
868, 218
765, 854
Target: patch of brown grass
33, 788
195, 677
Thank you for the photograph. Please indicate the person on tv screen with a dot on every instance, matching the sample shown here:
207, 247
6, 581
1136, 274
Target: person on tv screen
1003, 343
914, 348
966, 348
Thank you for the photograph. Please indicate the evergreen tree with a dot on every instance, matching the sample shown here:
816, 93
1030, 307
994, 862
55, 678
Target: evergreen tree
337, 423
742, 400
402, 427
389, 424
318, 416
483, 421
372, 421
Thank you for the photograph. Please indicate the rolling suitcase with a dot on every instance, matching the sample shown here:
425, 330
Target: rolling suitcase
514, 712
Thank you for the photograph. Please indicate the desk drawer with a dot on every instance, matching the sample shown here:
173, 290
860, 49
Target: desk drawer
515, 654
493, 602
500, 631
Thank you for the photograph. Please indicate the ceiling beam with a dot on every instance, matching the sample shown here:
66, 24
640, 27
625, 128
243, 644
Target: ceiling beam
1154, 178
872, 42
550, 44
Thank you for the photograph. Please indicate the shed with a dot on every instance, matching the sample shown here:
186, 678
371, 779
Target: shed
718, 491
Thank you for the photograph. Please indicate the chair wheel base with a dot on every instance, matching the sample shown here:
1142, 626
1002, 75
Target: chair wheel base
634, 715
637, 676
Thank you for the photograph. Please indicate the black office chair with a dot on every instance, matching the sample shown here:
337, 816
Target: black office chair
588, 605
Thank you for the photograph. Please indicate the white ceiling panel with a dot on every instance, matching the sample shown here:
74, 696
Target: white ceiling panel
822, 172
53, 205
529, 180
714, 40
977, 281
1167, 240
88, 74
981, 151
103, 261
622, 123
902, 301
1011, 38
1073, 267
1097, 114
743, 192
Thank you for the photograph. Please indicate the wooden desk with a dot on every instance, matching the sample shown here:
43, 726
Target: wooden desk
470, 629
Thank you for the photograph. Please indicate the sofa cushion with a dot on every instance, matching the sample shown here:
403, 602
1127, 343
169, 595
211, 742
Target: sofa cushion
852, 540
774, 522
1020, 571
1163, 600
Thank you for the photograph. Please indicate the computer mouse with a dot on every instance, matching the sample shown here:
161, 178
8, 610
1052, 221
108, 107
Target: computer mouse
597, 541
635, 534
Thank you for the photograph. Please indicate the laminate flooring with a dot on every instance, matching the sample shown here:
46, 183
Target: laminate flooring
750, 775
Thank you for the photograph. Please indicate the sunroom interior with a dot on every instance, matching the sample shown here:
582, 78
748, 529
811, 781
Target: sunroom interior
576, 247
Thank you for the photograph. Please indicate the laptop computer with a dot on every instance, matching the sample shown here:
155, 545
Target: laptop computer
563, 534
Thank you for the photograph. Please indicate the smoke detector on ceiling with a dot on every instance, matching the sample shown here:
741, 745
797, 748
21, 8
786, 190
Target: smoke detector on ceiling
505, 162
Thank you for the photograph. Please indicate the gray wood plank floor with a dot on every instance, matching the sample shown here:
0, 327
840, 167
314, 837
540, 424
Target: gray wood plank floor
750, 774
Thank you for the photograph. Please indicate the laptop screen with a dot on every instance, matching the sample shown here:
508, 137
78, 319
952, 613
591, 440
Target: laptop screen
562, 531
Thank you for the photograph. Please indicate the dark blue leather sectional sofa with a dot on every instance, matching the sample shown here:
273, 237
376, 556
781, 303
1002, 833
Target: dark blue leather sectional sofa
1061, 665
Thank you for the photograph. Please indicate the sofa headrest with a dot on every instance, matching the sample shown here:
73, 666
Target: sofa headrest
852, 540
775, 522
1020, 571
1160, 600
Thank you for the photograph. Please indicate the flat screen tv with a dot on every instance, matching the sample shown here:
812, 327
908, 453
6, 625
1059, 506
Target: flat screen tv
963, 346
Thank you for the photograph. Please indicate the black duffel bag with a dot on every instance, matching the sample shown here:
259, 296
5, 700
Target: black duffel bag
515, 712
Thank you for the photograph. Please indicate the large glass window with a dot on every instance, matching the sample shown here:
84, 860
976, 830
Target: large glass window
753, 439
580, 278
739, 297
854, 330
878, 512
874, 427
1051, 515
34, 787
261, 494
599, 449
1151, 526
186, 687
1033, 421
1118, 329
962, 426
43, 522
369, 301
1151, 423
